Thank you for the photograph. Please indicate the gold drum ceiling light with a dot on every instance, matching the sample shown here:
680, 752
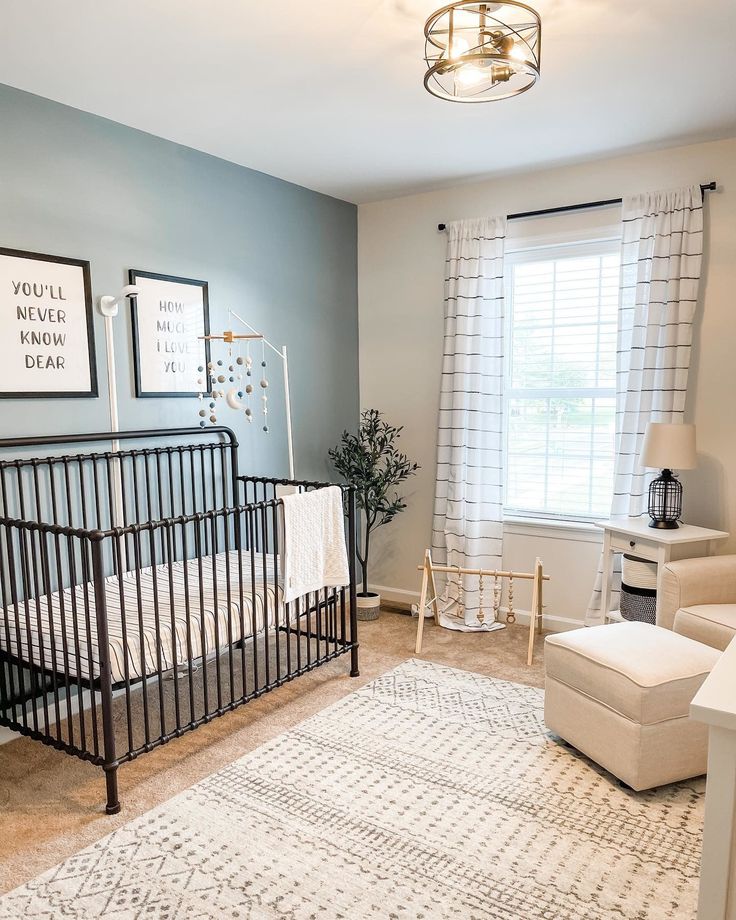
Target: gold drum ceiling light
478, 52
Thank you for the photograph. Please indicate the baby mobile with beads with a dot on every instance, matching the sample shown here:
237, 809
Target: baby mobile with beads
236, 391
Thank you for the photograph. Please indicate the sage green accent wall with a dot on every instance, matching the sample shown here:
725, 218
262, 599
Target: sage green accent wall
284, 257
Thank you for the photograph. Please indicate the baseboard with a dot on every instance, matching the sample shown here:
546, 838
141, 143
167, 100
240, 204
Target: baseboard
403, 600
396, 595
551, 623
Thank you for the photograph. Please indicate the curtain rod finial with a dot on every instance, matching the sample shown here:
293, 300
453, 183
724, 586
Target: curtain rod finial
441, 227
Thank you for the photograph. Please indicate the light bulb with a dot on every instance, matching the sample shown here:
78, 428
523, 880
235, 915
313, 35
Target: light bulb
468, 75
458, 47
518, 52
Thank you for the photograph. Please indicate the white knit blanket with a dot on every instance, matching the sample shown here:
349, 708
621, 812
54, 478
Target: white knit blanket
314, 554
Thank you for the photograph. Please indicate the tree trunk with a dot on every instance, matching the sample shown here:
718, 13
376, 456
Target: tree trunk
364, 563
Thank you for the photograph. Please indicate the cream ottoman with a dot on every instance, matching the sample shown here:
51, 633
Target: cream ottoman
621, 694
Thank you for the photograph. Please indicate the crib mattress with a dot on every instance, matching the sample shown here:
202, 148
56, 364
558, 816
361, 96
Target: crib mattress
193, 622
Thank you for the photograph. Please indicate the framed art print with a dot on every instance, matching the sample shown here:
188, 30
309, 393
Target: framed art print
47, 346
170, 315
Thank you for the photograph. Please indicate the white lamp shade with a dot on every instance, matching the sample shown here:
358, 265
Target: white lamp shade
669, 447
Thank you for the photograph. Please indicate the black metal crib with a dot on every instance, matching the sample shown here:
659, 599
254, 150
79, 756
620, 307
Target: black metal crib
141, 595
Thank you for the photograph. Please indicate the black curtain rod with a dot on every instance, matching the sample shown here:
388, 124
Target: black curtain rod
705, 187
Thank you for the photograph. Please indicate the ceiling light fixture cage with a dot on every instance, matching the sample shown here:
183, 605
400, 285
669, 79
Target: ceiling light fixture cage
480, 52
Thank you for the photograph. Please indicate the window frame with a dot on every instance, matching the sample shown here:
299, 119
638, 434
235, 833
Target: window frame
540, 249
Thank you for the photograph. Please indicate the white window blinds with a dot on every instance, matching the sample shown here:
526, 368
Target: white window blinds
560, 395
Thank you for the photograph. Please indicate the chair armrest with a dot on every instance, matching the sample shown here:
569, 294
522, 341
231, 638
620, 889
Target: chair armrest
711, 580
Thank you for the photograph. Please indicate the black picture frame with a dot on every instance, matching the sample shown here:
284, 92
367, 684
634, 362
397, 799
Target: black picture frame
84, 266
134, 275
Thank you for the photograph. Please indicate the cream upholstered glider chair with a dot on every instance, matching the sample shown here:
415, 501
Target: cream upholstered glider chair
699, 599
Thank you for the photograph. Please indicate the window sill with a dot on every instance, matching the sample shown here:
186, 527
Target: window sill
582, 531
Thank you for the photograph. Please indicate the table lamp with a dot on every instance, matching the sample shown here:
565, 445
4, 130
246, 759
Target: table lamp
667, 447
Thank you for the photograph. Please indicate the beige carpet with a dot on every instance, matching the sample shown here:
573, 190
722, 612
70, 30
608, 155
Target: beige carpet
431, 792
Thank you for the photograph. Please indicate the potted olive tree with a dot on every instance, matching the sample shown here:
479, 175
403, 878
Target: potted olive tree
371, 461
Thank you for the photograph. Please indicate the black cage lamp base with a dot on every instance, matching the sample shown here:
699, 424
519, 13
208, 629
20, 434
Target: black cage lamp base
664, 525
665, 501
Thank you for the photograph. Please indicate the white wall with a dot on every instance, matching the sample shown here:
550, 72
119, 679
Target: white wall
400, 277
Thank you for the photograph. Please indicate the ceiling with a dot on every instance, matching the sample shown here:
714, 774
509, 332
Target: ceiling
329, 94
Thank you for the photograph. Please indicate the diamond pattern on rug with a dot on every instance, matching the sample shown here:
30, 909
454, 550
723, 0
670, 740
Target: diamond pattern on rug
429, 793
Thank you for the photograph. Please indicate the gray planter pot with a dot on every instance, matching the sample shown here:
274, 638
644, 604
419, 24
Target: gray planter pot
369, 606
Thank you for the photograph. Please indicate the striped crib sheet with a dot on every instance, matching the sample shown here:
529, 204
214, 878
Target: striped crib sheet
195, 617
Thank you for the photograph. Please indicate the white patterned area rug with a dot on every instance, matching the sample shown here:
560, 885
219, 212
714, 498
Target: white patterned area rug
429, 793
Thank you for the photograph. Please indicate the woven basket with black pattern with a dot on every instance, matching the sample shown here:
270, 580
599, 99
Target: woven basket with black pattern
638, 604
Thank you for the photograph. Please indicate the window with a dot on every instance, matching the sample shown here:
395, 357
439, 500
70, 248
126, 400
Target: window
560, 394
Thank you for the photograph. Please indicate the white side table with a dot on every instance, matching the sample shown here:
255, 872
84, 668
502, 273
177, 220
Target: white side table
635, 536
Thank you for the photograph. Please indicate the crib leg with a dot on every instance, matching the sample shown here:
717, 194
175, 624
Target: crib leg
111, 778
110, 765
352, 552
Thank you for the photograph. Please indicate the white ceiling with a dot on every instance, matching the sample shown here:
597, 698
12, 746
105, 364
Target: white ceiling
328, 93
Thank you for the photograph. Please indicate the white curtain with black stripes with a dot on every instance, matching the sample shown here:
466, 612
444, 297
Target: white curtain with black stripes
467, 528
661, 256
